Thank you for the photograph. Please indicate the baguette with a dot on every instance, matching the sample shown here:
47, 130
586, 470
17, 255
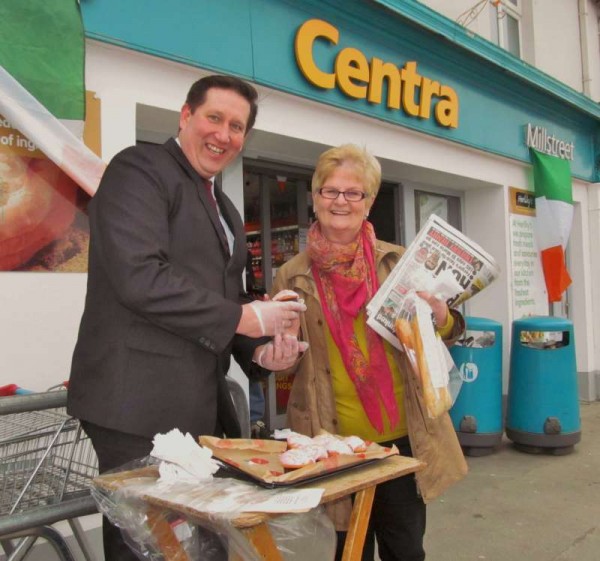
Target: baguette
409, 334
405, 333
434, 405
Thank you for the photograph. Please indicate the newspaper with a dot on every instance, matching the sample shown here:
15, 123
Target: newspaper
440, 260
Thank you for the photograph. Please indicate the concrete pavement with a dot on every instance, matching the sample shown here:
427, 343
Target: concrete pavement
518, 506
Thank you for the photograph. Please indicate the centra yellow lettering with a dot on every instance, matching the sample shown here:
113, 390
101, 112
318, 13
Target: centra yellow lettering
351, 64
359, 79
306, 36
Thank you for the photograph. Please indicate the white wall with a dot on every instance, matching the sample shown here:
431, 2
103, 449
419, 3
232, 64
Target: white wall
471, 14
485, 220
552, 33
557, 48
591, 36
581, 292
594, 241
39, 319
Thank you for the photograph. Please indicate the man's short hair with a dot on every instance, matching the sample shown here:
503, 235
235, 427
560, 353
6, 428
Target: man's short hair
197, 94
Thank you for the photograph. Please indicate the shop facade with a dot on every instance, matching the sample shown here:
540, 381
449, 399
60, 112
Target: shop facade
448, 115
450, 120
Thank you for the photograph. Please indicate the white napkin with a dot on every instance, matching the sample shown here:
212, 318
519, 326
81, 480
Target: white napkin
192, 462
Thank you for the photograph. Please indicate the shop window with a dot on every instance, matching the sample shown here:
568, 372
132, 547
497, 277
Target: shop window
447, 207
386, 212
506, 25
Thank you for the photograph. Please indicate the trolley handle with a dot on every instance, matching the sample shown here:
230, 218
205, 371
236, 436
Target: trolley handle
32, 402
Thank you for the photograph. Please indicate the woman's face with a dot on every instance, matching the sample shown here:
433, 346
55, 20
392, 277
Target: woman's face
340, 219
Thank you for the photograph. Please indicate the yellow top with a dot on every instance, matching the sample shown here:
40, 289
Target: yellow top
352, 418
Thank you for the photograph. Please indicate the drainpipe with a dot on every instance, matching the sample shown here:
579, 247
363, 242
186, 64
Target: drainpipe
584, 47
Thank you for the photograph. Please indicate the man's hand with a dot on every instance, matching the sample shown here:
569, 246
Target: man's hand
269, 318
280, 353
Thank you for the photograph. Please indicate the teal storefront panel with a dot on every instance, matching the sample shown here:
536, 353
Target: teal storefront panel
255, 39
494, 109
212, 34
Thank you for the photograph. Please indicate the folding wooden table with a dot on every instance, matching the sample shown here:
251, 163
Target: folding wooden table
359, 480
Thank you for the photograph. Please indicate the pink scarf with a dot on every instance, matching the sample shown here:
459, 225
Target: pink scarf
346, 281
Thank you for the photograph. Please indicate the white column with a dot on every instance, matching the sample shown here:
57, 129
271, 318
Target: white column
118, 122
232, 182
594, 239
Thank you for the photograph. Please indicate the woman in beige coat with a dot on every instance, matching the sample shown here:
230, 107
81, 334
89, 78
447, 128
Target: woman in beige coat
350, 381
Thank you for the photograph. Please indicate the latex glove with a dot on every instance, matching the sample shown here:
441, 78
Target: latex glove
280, 353
270, 317
284, 296
439, 308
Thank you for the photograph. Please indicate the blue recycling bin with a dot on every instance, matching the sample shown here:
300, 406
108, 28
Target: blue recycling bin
477, 411
543, 397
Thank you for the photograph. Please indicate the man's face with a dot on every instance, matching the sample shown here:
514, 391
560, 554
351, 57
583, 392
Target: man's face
214, 134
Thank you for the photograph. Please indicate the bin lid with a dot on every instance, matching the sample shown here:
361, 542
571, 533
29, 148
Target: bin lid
482, 324
543, 323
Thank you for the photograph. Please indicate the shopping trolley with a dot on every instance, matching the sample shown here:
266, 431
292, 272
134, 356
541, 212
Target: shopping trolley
46, 466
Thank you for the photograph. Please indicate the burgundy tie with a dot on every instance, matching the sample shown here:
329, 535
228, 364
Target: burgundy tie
208, 185
213, 202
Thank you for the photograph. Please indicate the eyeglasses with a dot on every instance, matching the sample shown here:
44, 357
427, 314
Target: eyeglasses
351, 196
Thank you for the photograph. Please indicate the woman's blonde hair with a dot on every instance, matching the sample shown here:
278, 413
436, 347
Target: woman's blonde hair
366, 165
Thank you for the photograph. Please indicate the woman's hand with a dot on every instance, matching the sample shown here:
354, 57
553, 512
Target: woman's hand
280, 353
438, 307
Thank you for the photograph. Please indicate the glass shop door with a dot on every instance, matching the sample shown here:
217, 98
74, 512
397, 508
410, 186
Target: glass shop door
276, 210
276, 220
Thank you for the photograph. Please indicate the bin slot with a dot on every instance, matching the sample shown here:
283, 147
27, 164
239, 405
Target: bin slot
477, 339
544, 339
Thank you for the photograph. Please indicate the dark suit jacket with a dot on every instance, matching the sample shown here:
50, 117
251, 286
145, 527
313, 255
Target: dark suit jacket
163, 300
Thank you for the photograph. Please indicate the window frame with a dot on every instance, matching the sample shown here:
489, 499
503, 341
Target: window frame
499, 14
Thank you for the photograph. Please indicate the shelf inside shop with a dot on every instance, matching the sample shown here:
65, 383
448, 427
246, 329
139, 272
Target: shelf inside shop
285, 228
277, 229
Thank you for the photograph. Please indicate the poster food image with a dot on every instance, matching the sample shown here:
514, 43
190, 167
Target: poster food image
43, 221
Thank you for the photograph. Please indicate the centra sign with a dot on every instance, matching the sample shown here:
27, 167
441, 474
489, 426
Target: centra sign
358, 78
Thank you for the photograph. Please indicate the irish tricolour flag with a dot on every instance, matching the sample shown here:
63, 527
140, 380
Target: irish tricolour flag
42, 90
554, 216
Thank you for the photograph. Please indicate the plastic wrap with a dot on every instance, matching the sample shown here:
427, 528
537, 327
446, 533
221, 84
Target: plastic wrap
307, 536
427, 355
194, 521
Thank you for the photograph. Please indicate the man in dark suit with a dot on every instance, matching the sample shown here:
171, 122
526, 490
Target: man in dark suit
165, 306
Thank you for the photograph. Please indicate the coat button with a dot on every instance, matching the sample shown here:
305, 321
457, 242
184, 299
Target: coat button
319, 322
